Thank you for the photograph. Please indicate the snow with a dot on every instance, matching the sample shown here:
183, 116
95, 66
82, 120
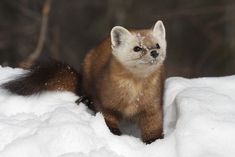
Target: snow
199, 120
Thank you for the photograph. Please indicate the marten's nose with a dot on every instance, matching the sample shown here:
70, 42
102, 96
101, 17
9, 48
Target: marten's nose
154, 54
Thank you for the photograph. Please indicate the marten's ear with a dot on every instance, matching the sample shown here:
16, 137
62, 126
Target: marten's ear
119, 35
159, 30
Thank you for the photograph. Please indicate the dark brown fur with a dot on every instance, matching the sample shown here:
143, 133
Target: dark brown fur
118, 93
46, 76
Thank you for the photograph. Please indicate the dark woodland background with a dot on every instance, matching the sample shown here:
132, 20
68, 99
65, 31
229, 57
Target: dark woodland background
200, 33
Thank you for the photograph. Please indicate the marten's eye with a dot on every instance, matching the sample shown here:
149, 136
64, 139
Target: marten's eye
157, 46
137, 48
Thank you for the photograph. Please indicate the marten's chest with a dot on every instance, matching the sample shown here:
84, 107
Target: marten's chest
130, 97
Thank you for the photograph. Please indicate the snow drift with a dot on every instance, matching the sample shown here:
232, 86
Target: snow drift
199, 120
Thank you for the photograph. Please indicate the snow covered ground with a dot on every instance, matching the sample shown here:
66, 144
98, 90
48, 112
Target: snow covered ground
199, 121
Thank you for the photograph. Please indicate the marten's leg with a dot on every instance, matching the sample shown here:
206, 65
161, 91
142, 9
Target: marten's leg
151, 126
112, 120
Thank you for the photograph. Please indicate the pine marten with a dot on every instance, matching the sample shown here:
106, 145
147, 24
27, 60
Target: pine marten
124, 77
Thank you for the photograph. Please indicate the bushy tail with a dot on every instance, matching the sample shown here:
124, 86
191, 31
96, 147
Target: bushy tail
46, 76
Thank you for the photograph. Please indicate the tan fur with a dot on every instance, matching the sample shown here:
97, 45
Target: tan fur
119, 93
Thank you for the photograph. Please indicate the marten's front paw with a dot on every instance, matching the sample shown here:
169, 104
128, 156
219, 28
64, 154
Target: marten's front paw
115, 131
152, 139
149, 141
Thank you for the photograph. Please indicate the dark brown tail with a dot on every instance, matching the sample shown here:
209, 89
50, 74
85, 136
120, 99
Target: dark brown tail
49, 76
46, 76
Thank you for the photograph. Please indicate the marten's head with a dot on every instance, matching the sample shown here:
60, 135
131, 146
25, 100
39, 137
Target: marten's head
140, 51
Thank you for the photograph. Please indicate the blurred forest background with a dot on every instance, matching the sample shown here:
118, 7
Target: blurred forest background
200, 33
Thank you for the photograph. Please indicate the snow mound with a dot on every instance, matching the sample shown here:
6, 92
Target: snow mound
199, 120
200, 113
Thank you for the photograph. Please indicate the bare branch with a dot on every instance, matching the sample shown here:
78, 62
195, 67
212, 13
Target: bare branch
42, 36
